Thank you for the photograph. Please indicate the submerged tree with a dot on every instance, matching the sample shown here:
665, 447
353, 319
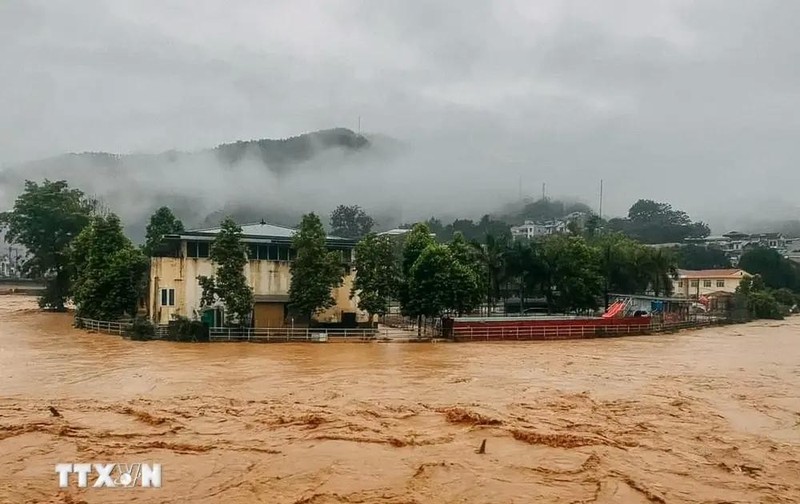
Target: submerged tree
109, 272
162, 222
377, 275
45, 219
316, 271
229, 285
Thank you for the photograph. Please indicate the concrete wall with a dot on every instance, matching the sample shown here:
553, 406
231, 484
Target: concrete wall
686, 288
265, 277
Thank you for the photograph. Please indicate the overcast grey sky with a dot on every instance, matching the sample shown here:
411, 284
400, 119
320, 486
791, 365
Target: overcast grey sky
693, 102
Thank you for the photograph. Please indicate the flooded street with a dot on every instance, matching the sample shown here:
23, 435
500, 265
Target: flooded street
708, 416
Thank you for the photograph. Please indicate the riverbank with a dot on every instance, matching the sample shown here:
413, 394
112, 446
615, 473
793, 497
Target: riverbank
702, 416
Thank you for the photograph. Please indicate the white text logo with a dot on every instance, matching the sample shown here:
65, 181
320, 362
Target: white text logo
110, 475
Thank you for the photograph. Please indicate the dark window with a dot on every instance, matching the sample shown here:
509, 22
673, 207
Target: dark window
167, 297
252, 251
202, 249
262, 252
273, 253
283, 253
191, 249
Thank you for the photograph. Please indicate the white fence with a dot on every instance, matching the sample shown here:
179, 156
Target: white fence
104, 326
283, 334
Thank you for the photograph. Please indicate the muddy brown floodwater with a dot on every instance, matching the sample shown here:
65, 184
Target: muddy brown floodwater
709, 416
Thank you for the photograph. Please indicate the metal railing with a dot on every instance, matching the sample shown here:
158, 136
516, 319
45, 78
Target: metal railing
104, 326
557, 332
284, 334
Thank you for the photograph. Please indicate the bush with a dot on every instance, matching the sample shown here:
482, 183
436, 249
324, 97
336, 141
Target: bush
786, 297
141, 330
187, 330
762, 305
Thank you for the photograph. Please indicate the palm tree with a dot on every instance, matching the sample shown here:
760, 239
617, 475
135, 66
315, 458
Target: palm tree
659, 267
492, 256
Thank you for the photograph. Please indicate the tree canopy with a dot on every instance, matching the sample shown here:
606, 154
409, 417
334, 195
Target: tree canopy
45, 219
109, 272
650, 221
229, 284
315, 269
377, 274
162, 222
351, 222
694, 257
777, 271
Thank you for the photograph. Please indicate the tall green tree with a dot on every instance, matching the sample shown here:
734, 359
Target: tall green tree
229, 284
439, 282
693, 257
45, 219
653, 222
316, 271
109, 272
466, 275
492, 255
525, 268
571, 274
659, 268
414, 244
351, 222
777, 271
162, 222
377, 275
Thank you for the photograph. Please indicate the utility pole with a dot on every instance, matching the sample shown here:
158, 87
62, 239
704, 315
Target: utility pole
544, 190
601, 199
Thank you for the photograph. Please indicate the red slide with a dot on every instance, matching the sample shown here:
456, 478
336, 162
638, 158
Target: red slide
614, 309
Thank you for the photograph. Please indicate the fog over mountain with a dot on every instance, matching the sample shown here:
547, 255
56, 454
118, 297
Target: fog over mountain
467, 105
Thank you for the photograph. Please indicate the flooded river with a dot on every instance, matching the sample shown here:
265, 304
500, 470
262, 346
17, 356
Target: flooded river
709, 416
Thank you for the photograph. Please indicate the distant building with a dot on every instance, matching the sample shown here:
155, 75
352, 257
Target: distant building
693, 284
529, 230
174, 290
734, 243
532, 229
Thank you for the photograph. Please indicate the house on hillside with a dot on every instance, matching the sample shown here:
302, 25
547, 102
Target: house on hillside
174, 290
694, 284
734, 243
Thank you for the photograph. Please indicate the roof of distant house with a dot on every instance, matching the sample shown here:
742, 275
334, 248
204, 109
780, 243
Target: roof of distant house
259, 230
712, 273
395, 231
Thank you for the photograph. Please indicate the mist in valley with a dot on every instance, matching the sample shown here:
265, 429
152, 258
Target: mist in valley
466, 110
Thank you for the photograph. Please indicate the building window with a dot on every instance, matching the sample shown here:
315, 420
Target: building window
197, 249
706, 283
695, 283
167, 297
720, 283
680, 283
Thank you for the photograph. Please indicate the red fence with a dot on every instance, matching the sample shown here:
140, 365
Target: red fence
503, 330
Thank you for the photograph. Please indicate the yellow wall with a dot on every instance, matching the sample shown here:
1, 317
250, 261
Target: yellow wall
265, 277
687, 289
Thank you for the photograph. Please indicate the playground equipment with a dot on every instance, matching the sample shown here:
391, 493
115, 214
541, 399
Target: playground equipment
617, 309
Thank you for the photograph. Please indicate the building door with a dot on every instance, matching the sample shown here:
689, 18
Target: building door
268, 314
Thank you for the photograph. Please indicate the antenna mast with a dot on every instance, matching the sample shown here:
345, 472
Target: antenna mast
601, 198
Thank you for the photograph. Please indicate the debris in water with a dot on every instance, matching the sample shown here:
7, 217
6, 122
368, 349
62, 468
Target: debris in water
482, 449
54, 412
